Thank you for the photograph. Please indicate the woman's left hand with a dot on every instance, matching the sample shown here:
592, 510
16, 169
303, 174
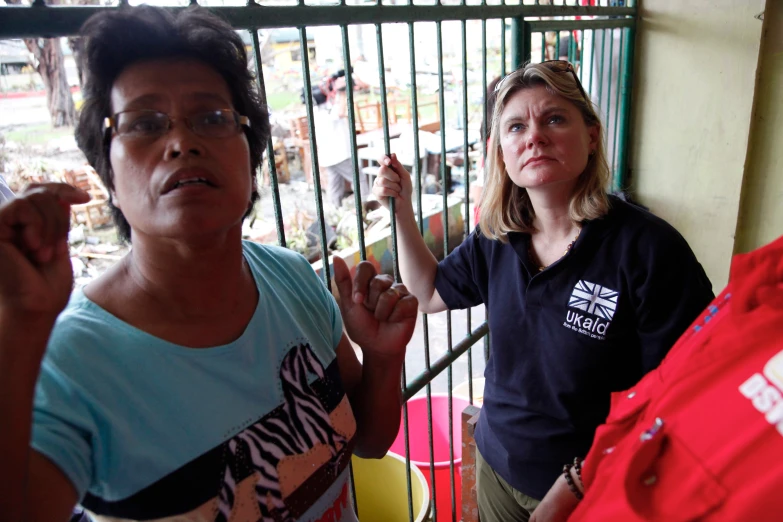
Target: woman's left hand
557, 505
379, 315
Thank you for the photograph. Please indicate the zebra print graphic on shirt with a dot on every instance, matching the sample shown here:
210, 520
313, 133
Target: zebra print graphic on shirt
297, 426
240, 478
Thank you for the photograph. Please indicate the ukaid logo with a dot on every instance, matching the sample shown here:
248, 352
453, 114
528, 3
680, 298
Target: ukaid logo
764, 391
591, 309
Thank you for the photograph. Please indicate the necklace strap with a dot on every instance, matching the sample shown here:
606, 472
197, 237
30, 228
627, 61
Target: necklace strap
534, 258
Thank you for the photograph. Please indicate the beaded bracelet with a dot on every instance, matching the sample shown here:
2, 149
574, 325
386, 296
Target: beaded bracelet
570, 481
578, 468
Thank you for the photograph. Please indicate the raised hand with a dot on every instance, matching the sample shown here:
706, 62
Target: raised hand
393, 181
379, 315
35, 269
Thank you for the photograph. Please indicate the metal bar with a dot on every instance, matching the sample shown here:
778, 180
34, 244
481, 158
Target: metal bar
466, 157
626, 85
574, 45
601, 70
581, 51
430, 439
445, 192
352, 133
270, 152
487, 339
557, 47
527, 45
49, 22
592, 62
543, 46
386, 146
484, 82
425, 324
487, 127
502, 47
441, 364
405, 428
521, 39
395, 262
314, 153
617, 106
566, 25
466, 170
609, 78
450, 384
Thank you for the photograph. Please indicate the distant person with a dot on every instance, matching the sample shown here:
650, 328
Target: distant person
700, 437
585, 293
333, 137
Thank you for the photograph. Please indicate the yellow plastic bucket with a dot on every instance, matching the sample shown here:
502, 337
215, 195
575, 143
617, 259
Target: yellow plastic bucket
461, 391
382, 491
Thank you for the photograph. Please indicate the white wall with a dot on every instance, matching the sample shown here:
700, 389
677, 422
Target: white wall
696, 64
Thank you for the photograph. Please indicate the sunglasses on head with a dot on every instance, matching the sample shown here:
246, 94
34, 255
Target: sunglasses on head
559, 66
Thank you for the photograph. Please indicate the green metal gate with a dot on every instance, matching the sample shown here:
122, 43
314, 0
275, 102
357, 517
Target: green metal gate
599, 39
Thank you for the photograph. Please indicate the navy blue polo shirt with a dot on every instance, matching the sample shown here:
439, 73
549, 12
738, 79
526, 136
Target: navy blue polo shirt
563, 339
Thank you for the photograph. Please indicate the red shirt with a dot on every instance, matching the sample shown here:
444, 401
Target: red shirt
700, 438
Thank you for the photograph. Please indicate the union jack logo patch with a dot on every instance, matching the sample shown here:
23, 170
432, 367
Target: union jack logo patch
594, 299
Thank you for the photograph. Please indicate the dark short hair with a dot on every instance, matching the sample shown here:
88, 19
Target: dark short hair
119, 38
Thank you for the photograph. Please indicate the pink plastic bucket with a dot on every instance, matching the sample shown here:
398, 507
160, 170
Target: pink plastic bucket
420, 449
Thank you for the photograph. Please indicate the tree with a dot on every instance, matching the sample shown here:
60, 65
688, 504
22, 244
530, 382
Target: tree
76, 43
50, 64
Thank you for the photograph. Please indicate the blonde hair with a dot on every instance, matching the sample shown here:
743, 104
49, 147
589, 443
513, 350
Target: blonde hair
505, 207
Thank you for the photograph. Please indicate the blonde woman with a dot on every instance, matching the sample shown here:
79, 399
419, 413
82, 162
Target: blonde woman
585, 292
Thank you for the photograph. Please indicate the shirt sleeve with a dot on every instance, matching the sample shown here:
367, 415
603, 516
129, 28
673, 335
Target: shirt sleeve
669, 293
62, 425
459, 279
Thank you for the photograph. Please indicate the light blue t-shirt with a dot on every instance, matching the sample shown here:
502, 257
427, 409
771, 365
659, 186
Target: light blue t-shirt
258, 429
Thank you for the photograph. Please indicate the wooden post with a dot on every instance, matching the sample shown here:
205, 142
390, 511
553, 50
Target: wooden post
470, 416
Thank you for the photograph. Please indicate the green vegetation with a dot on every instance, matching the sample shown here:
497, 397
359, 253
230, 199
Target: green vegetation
38, 134
279, 101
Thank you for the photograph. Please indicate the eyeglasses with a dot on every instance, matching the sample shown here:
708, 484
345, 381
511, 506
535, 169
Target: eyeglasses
559, 66
149, 124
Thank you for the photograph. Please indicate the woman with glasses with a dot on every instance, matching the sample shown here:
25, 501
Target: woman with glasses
585, 293
202, 377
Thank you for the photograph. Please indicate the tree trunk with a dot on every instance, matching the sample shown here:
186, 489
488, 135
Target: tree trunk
76, 43
51, 66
